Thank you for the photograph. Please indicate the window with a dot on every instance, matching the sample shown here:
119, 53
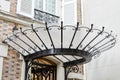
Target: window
46, 5
26, 7
5, 5
69, 12
39, 4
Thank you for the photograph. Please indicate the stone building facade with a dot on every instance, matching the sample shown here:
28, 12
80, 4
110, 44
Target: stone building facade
11, 62
12, 65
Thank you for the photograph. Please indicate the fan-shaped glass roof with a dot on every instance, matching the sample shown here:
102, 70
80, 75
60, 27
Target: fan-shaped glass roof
69, 44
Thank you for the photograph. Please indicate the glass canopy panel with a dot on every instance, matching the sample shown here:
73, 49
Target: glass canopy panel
68, 58
65, 43
34, 39
16, 47
63, 59
91, 38
27, 41
68, 32
80, 34
22, 44
42, 32
55, 33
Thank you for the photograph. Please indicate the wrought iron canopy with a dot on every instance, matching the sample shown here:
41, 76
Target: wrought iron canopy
69, 44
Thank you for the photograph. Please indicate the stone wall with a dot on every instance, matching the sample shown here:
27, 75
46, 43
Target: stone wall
12, 66
13, 6
5, 29
79, 19
79, 13
81, 69
11, 63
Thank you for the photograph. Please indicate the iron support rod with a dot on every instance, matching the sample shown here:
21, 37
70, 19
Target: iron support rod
74, 35
66, 58
106, 47
38, 37
49, 76
26, 69
98, 42
102, 45
49, 35
101, 50
30, 39
58, 58
55, 70
93, 39
53, 76
85, 36
13, 48
74, 57
18, 45
24, 42
61, 34
65, 72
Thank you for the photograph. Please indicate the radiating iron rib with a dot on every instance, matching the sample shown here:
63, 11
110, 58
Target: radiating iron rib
102, 45
74, 57
61, 34
66, 58
30, 39
85, 36
98, 43
102, 50
19, 45
38, 37
93, 39
49, 35
58, 58
106, 47
74, 35
24, 42
13, 48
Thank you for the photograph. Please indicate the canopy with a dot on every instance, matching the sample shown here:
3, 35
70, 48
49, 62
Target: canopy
69, 44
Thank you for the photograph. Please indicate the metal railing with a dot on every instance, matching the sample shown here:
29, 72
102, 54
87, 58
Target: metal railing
45, 17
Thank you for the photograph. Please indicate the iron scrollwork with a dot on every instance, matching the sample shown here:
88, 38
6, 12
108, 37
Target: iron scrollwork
38, 71
71, 69
46, 17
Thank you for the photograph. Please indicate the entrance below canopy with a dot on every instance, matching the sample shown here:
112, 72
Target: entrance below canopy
42, 69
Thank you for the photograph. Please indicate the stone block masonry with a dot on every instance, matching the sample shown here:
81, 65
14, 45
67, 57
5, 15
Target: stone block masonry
12, 66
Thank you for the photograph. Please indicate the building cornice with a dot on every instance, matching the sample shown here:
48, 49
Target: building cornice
19, 19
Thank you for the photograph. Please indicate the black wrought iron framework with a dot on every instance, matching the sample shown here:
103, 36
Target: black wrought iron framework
40, 71
45, 17
71, 45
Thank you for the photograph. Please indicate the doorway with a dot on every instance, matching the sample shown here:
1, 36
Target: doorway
43, 69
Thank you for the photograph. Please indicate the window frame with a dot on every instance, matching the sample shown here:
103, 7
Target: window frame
45, 7
25, 14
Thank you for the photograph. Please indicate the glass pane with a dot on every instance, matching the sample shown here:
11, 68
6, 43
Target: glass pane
39, 4
69, 14
67, 0
50, 6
